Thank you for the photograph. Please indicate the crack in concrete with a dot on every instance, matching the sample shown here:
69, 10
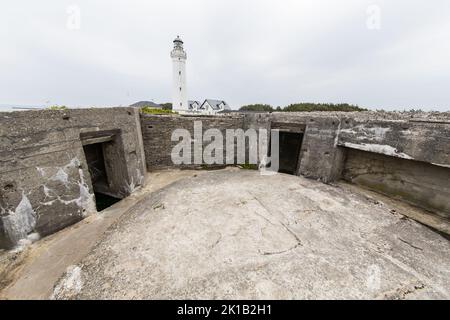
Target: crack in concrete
260, 215
299, 242
264, 253
422, 278
217, 241
264, 207
410, 244
401, 293
297, 239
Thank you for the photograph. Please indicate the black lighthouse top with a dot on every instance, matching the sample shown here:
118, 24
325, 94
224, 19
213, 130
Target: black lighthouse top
178, 40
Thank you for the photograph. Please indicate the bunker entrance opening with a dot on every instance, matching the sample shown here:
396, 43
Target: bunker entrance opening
104, 157
290, 144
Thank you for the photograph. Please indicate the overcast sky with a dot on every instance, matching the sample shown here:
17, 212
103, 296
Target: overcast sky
379, 54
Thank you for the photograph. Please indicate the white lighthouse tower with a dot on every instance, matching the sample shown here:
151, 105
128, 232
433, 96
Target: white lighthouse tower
179, 94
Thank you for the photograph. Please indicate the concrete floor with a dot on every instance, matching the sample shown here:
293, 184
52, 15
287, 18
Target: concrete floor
235, 234
32, 272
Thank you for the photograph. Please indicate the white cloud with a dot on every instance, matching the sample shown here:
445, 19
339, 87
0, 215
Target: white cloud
269, 51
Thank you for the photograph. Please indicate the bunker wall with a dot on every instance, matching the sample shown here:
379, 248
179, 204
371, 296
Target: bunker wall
45, 183
157, 136
419, 183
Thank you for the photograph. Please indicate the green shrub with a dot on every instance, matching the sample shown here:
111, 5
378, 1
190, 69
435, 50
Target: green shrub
56, 107
166, 106
248, 166
322, 107
303, 106
150, 110
256, 107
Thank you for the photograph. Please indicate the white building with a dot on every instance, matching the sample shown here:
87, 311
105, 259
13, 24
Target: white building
179, 93
180, 103
209, 106
194, 105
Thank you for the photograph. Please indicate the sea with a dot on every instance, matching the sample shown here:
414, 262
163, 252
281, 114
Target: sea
17, 107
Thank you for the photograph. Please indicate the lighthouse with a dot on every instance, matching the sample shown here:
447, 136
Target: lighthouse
179, 94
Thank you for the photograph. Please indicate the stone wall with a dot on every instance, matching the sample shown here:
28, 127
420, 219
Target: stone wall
157, 132
319, 156
45, 184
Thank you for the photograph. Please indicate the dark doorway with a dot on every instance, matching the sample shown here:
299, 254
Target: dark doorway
96, 164
95, 159
290, 144
105, 159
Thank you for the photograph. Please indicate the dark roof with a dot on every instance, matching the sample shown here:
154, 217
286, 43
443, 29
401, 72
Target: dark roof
215, 104
191, 102
150, 104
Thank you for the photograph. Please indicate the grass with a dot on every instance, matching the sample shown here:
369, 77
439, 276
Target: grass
150, 110
56, 107
248, 166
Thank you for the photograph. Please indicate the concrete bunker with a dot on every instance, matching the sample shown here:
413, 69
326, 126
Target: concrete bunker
45, 182
106, 163
54, 167
51, 173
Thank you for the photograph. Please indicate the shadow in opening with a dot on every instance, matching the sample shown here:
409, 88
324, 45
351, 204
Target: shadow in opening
96, 164
103, 201
290, 145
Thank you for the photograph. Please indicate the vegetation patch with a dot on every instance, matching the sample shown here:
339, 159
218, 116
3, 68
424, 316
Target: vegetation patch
56, 107
248, 166
257, 107
166, 106
322, 107
150, 110
303, 107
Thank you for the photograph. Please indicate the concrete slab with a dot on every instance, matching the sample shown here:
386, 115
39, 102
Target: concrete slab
235, 234
32, 272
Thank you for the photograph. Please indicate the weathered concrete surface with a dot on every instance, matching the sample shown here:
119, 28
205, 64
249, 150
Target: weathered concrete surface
44, 179
413, 139
419, 183
437, 222
32, 272
237, 234
329, 136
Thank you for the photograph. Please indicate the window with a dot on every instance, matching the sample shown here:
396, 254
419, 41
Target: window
180, 88
181, 104
179, 72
